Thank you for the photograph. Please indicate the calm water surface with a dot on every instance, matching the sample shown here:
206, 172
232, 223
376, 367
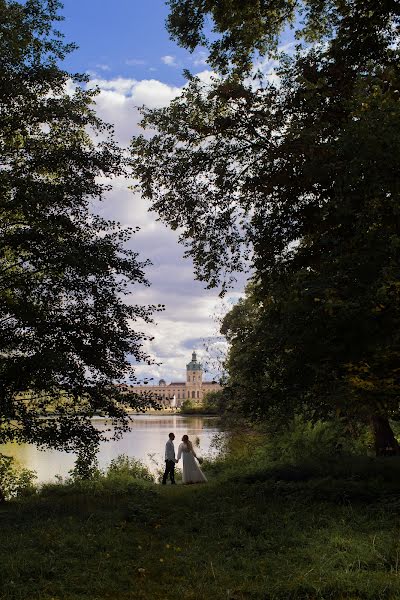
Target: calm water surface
146, 441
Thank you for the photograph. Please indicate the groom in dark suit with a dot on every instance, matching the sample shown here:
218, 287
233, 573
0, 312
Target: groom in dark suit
170, 460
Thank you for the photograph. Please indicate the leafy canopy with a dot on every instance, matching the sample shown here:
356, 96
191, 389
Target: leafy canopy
237, 32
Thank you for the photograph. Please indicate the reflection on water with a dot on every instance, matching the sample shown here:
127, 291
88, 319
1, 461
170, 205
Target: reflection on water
147, 437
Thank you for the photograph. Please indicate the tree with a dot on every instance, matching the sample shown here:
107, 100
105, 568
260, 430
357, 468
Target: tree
66, 334
296, 353
236, 32
300, 174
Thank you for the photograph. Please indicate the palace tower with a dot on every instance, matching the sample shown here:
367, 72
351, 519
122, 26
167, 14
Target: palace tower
194, 378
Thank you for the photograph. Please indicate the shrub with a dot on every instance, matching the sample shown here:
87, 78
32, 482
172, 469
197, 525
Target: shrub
15, 481
214, 402
304, 440
126, 466
124, 475
190, 407
303, 451
186, 405
86, 464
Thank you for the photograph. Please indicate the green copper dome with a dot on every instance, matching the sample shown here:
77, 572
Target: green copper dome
194, 365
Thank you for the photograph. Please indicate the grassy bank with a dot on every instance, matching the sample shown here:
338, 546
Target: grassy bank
253, 532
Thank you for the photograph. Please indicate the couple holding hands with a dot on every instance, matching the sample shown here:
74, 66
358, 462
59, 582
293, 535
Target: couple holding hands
191, 472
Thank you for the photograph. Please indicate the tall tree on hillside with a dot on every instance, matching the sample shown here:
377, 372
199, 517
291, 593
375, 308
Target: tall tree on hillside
66, 334
301, 172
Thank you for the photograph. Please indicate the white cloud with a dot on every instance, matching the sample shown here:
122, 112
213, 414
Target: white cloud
119, 98
268, 66
103, 67
200, 58
133, 62
287, 48
153, 93
207, 76
169, 60
121, 85
174, 341
189, 307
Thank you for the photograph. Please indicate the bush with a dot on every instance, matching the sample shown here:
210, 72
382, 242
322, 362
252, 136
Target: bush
304, 450
86, 463
209, 405
190, 407
123, 476
305, 441
214, 402
15, 481
126, 466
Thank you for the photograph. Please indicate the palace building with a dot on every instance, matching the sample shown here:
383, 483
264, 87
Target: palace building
174, 393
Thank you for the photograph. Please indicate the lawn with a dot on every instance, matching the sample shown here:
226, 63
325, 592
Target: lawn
256, 536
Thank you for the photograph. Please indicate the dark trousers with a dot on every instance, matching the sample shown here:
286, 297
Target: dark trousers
169, 470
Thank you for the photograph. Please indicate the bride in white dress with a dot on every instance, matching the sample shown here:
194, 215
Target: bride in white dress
191, 470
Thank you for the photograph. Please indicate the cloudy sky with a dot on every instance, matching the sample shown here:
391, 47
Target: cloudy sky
124, 47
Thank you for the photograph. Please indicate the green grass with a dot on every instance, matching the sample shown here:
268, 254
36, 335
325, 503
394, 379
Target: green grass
251, 534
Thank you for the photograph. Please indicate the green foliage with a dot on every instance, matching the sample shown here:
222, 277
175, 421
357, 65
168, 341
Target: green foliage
236, 33
323, 458
123, 476
86, 463
126, 466
65, 322
213, 402
191, 407
188, 405
15, 481
288, 356
210, 405
305, 441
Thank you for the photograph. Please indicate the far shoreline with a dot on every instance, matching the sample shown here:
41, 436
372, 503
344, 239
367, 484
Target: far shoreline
171, 413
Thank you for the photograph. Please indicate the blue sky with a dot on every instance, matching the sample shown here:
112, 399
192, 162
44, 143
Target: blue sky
125, 38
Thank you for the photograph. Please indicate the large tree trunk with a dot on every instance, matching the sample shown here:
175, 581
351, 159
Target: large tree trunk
385, 442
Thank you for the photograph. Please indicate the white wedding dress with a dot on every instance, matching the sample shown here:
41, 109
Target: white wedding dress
191, 472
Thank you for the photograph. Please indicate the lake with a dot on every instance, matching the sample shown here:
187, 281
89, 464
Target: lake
145, 441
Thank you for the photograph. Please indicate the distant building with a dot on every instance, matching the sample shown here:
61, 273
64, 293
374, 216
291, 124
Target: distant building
174, 393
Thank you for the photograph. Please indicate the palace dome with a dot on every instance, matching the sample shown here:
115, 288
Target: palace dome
194, 365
